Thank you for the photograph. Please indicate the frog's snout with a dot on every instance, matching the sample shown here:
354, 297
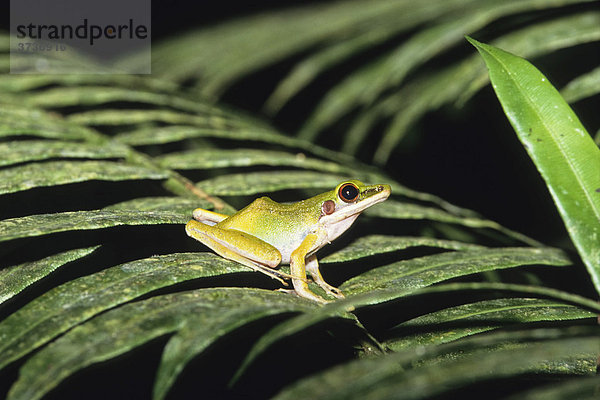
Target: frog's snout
384, 188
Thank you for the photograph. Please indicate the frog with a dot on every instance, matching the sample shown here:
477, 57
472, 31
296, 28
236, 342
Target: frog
266, 234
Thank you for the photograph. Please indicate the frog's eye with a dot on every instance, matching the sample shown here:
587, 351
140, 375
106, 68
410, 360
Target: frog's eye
328, 207
348, 192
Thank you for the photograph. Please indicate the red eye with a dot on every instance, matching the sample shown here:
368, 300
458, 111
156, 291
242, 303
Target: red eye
348, 192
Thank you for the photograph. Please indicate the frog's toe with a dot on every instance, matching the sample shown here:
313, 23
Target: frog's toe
333, 291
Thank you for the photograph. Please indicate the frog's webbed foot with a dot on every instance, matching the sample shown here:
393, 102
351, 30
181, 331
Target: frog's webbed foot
312, 266
306, 294
299, 263
331, 290
280, 276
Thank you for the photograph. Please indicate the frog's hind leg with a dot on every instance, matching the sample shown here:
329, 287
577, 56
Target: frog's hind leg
280, 276
239, 247
312, 266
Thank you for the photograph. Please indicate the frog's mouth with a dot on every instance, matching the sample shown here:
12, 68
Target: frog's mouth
367, 198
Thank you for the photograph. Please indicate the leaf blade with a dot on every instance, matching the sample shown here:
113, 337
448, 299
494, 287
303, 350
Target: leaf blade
220, 158
453, 323
419, 272
29, 176
44, 224
264, 182
16, 278
35, 150
563, 152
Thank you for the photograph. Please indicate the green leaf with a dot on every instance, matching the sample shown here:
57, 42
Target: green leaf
456, 322
35, 150
583, 86
99, 95
129, 326
264, 182
580, 388
24, 83
175, 133
399, 210
44, 224
389, 376
17, 277
379, 244
578, 363
424, 271
199, 332
562, 150
131, 117
52, 173
218, 158
18, 121
178, 205
76, 301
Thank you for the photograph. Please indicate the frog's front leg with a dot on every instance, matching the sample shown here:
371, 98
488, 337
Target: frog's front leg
239, 247
298, 269
312, 266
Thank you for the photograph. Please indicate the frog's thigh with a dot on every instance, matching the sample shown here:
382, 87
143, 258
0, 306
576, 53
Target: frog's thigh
233, 244
262, 261
208, 217
312, 266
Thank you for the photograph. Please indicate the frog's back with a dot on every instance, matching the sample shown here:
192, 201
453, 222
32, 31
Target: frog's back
281, 225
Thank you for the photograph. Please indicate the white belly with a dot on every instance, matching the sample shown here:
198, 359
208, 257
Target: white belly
326, 235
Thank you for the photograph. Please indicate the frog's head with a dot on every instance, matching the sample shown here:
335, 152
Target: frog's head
346, 202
